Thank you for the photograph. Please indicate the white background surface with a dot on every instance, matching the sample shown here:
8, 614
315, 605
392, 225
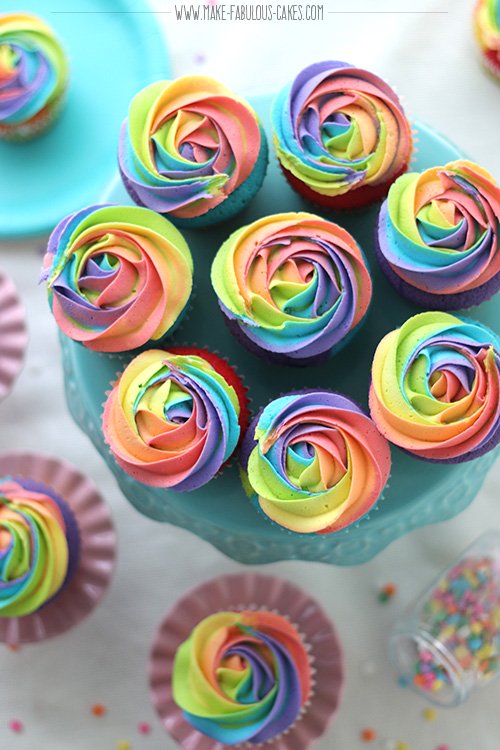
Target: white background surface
431, 61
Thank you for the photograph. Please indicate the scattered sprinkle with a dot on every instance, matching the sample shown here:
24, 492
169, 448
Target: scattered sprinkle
429, 714
16, 726
124, 745
98, 709
368, 735
200, 58
402, 746
403, 681
443, 747
386, 593
13, 647
144, 728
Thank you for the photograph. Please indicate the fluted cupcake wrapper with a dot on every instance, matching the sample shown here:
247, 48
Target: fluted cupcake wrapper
13, 335
83, 591
257, 592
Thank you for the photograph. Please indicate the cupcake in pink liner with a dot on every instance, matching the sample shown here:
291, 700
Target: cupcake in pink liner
435, 389
13, 335
57, 547
117, 277
487, 32
437, 238
341, 135
246, 659
293, 287
313, 462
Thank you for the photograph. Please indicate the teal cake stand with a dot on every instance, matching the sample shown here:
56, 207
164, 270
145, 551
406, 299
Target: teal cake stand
417, 493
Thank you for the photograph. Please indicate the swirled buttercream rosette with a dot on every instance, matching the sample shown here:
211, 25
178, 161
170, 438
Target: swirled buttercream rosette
117, 277
174, 418
56, 547
293, 287
438, 236
192, 150
246, 659
435, 388
314, 462
341, 135
487, 31
33, 76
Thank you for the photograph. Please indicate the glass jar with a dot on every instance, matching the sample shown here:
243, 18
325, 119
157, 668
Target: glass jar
448, 643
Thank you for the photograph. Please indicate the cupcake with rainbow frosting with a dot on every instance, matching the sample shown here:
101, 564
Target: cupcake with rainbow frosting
438, 236
435, 388
33, 76
246, 660
117, 277
487, 32
341, 135
192, 150
57, 547
293, 287
39, 546
313, 462
174, 418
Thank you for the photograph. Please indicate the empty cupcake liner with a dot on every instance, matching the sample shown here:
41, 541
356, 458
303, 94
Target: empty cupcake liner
250, 591
92, 576
13, 335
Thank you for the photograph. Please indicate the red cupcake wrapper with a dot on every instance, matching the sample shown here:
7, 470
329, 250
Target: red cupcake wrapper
250, 591
13, 335
97, 549
358, 198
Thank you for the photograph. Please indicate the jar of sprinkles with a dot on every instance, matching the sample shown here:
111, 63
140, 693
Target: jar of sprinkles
448, 643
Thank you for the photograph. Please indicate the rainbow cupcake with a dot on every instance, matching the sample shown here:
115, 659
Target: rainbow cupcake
192, 151
293, 287
246, 659
438, 236
314, 462
39, 546
341, 135
487, 31
57, 547
117, 277
175, 417
33, 76
435, 388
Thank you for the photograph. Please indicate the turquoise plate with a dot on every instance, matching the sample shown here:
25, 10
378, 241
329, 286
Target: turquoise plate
418, 493
115, 48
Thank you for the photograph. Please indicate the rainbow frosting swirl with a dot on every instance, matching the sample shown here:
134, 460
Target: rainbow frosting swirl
187, 145
172, 419
338, 128
487, 30
436, 387
315, 461
117, 277
34, 549
33, 68
439, 231
242, 676
294, 284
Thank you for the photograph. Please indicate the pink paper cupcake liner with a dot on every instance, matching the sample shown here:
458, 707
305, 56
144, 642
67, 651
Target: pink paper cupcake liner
13, 335
250, 591
97, 549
